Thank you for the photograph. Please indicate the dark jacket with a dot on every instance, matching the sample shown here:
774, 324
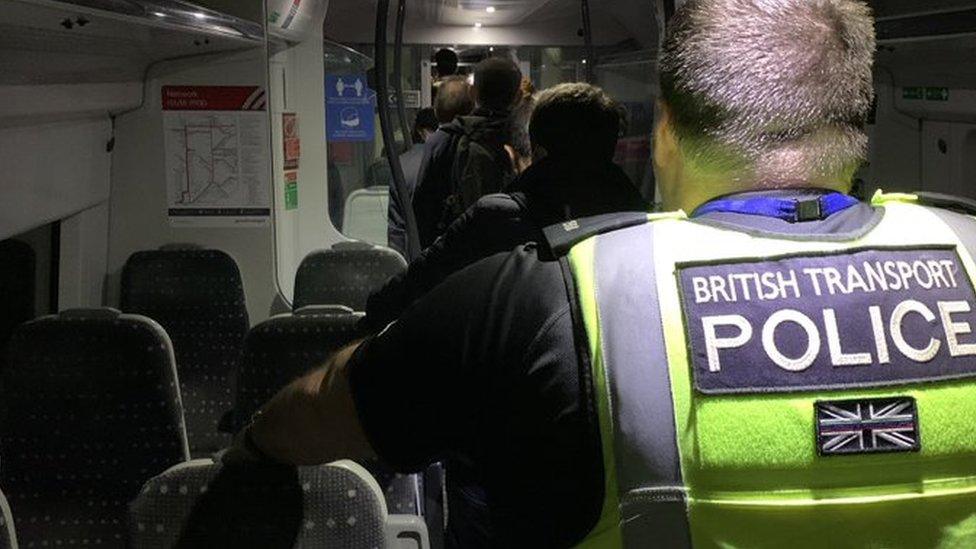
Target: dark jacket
436, 180
396, 216
549, 192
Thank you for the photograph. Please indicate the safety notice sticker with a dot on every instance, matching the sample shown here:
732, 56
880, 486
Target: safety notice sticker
217, 155
349, 107
862, 318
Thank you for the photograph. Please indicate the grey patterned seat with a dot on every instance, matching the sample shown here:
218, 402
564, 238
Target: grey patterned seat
89, 409
345, 274
207, 504
287, 346
17, 264
198, 297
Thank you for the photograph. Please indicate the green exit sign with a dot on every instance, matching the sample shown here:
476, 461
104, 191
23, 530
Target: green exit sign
916, 93
937, 94
913, 93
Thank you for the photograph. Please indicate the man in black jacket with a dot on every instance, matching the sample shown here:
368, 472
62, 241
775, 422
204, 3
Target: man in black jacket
573, 131
467, 159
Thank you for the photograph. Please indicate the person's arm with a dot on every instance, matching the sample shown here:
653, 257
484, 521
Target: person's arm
396, 231
494, 224
312, 420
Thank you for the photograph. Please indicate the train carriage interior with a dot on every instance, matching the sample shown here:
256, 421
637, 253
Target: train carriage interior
194, 208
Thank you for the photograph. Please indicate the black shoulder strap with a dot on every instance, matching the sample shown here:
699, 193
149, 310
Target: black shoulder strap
563, 236
947, 202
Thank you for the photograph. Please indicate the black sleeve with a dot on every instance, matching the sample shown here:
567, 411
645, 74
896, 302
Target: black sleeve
494, 224
485, 367
396, 223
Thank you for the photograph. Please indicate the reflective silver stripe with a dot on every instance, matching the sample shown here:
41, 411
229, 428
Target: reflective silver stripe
960, 224
649, 479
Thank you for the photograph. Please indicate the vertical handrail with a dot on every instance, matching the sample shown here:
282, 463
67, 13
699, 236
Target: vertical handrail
398, 76
386, 127
588, 41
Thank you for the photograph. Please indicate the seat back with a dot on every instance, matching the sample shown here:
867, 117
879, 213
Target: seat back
207, 504
285, 347
17, 264
198, 297
365, 215
89, 409
345, 274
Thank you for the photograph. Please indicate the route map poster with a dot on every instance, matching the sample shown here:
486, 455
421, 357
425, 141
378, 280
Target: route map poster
217, 156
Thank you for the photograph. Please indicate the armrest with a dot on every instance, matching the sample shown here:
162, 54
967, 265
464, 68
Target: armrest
406, 532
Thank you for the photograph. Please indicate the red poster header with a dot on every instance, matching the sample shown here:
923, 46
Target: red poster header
214, 98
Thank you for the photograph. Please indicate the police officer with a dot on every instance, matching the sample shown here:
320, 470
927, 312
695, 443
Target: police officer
785, 366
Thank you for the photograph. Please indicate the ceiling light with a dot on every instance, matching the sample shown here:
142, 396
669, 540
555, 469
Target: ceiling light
199, 15
490, 9
159, 14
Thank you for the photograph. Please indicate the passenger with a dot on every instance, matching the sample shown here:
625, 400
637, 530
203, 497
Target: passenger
453, 99
574, 130
471, 162
592, 413
424, 125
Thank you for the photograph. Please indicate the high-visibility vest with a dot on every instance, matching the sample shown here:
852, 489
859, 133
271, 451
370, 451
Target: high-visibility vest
764, 391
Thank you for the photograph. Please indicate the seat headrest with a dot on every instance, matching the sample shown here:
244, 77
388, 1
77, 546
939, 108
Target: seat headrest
309, 310
352, 245
95, 313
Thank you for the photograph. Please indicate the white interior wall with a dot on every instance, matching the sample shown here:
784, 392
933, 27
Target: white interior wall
83, 264
138, 217
52, 170
298, 86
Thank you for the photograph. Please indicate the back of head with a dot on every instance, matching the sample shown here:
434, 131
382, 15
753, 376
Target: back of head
576, 121
446, 61
772, 92
453, 99
425, 120
497, 81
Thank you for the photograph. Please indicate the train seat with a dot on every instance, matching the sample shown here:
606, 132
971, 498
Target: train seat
89, 409
346, 274
8, 536
198, 297
286, 347
365, 215
17, 264
207, 504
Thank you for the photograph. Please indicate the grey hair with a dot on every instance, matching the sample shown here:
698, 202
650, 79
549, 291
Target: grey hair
778, 89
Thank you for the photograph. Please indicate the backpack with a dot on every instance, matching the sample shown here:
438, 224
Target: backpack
481, 166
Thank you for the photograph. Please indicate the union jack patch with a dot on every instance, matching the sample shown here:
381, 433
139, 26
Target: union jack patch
867, 426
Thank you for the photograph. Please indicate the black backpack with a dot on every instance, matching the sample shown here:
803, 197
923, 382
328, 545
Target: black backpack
481, 166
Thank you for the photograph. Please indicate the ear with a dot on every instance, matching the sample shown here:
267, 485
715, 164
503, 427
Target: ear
665, 142
513, 157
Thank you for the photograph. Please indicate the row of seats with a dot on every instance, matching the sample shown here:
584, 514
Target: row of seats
198, 297
90, 408
93, 401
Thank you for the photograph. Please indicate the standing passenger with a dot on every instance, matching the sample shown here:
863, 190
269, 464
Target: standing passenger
472, 162
424, 125
453, 100
562, 145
